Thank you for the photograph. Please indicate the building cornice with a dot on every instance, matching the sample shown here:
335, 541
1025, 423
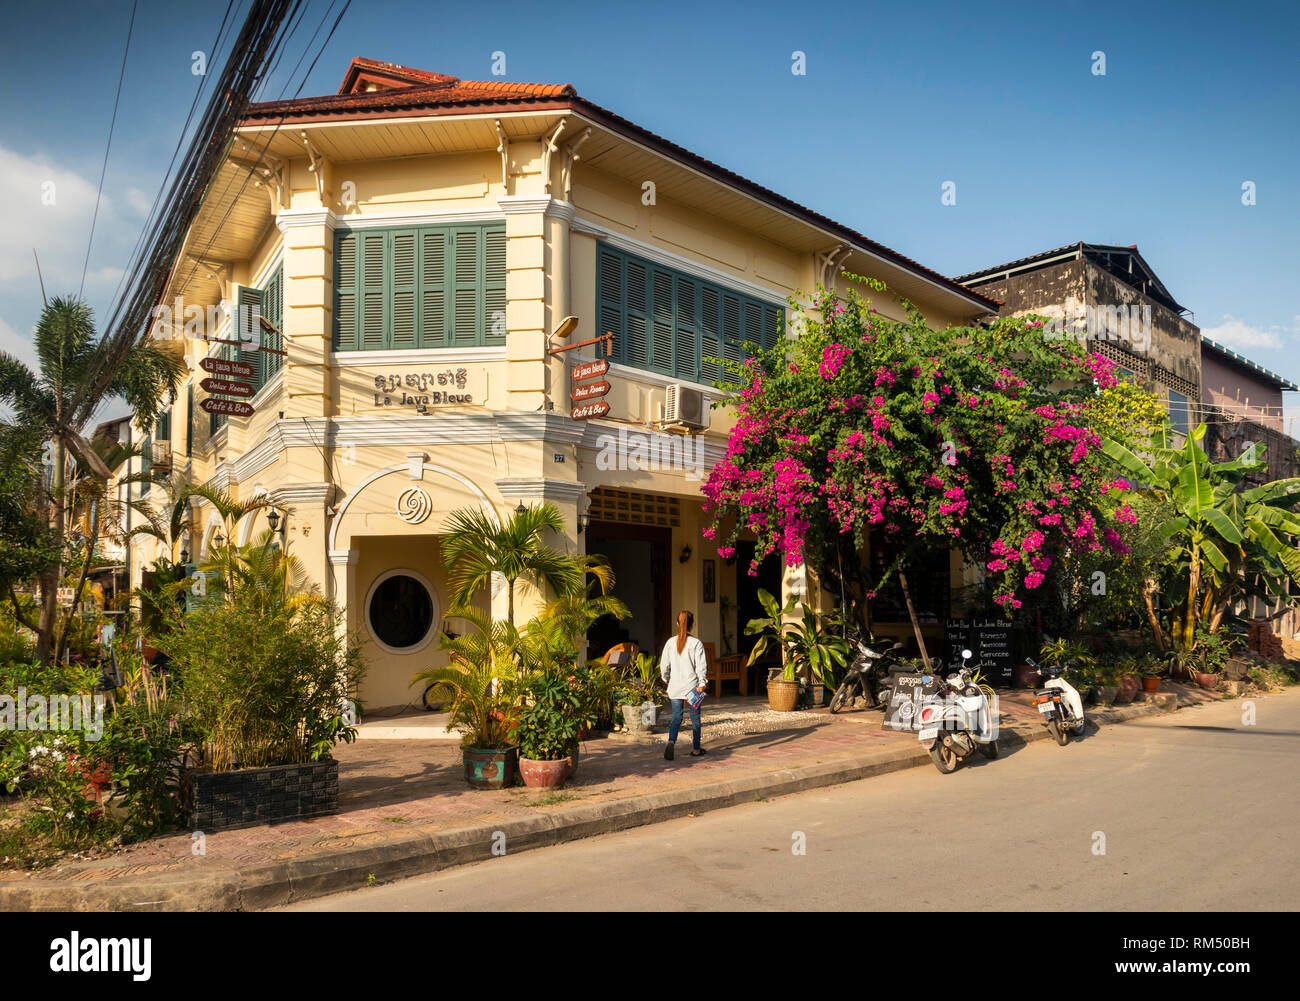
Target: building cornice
540, 488
421, 356
436, 217
292, 218
301, 493
524, 204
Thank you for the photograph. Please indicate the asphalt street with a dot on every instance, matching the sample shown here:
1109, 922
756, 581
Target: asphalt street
1196, 810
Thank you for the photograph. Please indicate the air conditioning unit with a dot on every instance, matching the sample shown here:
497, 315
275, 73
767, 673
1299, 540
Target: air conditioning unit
684, 409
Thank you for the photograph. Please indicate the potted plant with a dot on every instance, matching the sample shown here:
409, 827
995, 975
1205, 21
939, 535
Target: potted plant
1106, 687
1151, 671
642, 695
480, 684
555, 712
1127, 679
811, 653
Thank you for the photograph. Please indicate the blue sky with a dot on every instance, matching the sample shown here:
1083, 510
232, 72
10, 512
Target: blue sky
999, 98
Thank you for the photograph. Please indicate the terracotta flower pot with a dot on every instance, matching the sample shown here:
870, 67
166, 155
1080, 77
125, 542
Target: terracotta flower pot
545, 774
1150, 684
1104, 695
1128, 688
1207, 681
783, 696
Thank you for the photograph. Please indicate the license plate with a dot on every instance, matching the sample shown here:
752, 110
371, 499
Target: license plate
1047, 707
929, 733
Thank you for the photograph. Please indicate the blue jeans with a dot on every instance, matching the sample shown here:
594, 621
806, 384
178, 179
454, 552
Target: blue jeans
676, 723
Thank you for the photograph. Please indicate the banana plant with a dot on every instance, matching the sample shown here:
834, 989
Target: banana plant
1222, 535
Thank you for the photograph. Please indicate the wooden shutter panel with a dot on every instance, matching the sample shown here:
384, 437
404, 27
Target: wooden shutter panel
494, 287
189, 420
248, 325
466, 255
609, 285
710, 333
731, 331
662, 312
636, 349
345, 292
773, 320
403, 286
373, 270
273, 310
433, 288
687, 350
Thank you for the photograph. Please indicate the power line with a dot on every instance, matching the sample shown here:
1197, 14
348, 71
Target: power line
107, 146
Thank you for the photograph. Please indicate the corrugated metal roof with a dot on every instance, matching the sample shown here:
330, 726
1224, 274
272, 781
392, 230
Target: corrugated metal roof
1232, 356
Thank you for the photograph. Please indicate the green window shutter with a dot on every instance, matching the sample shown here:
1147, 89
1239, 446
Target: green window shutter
661, 311
345, 292
636, 348
146, 462
273, 310
687, 348
164, 428
402, 285
373, 269
433, 288
609, 293
773, 324
248, 328
467, 257
494, 286
189, 420
710, 333
731, 332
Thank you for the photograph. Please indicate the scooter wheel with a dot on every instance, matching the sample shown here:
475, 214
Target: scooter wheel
945, 759
989, 750
1061, 734
841, 697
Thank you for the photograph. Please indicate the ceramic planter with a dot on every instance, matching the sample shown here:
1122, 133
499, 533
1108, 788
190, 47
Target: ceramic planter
783, 696
639, 719
491, 767
546, 774
1104, 695
1207, 681
1128, 687
1150, 684
816, 696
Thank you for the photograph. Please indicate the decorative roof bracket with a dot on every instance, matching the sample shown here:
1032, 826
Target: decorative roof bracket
570, 158
828, 264
547, 150
316, 167
503, 147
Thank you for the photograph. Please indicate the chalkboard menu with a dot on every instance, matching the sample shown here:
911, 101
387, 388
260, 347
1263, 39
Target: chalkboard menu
992, 643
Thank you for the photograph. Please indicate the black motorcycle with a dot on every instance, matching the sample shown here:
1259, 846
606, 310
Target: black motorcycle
870, 666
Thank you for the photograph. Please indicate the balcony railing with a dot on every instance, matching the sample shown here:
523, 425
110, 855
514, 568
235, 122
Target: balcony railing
160, 455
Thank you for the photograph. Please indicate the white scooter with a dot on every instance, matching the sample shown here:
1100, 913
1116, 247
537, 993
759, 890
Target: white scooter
1059, 702
957, 720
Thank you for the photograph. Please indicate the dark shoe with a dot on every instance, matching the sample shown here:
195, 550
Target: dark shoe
698, 751
668, 751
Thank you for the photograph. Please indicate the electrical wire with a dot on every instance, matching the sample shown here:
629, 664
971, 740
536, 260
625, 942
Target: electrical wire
103, 170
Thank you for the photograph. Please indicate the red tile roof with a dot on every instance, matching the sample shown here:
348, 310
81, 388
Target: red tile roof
409, 92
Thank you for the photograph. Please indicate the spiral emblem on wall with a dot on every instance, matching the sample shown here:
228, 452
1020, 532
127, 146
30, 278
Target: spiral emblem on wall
413, 505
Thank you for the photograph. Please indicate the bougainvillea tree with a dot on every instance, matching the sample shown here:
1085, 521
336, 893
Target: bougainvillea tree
968, 438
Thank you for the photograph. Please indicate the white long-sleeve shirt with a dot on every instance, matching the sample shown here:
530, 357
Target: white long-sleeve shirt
686, 671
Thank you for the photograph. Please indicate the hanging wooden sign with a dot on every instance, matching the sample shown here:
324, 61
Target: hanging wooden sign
589, 369
226, 388
234, 408
585, 411
588, 391
222, 366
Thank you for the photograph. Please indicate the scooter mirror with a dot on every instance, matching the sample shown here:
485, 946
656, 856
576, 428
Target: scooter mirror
965, 655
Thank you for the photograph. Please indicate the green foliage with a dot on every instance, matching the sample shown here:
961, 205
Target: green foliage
265, 689
644, 683
557, 709
809, 646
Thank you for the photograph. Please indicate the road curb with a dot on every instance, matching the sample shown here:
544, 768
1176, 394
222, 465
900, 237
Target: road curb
278, 883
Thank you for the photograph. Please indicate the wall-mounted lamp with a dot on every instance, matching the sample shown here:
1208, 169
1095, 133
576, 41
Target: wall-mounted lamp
520, 509
273, 519
567, 326
686, 555
185, 556
219, 540
582, 524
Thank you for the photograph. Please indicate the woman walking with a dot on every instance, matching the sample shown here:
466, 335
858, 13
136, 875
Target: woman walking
686, 670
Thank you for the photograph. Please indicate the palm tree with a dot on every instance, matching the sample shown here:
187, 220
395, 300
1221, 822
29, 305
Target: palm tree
475, 549
73, 380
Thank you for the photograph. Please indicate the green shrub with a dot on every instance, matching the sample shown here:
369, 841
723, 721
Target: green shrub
557, 711
265, 687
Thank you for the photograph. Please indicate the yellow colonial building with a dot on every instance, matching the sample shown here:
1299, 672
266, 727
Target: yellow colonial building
415, 243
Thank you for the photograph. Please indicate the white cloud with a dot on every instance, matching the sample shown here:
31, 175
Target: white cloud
13, 343
1235, 333
140, 203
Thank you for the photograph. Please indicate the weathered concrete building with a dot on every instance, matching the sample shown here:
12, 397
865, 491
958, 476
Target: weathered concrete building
1111, 297
1241, 404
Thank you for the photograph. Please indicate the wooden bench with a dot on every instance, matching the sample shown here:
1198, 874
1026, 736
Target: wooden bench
729, 668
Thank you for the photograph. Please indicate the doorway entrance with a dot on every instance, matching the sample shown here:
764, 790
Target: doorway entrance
638, 555
747, 587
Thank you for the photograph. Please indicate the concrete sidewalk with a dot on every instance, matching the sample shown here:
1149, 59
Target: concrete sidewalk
405, 808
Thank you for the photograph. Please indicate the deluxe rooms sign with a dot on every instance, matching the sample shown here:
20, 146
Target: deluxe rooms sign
423, 389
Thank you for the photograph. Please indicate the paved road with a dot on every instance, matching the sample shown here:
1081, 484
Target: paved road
1198, 811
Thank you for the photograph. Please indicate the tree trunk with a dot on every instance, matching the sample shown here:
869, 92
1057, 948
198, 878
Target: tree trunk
50, 577
510, 602
81, 583
1188, 639
916, 625
1148, 589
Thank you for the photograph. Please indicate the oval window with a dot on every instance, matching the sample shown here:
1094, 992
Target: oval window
401, 611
